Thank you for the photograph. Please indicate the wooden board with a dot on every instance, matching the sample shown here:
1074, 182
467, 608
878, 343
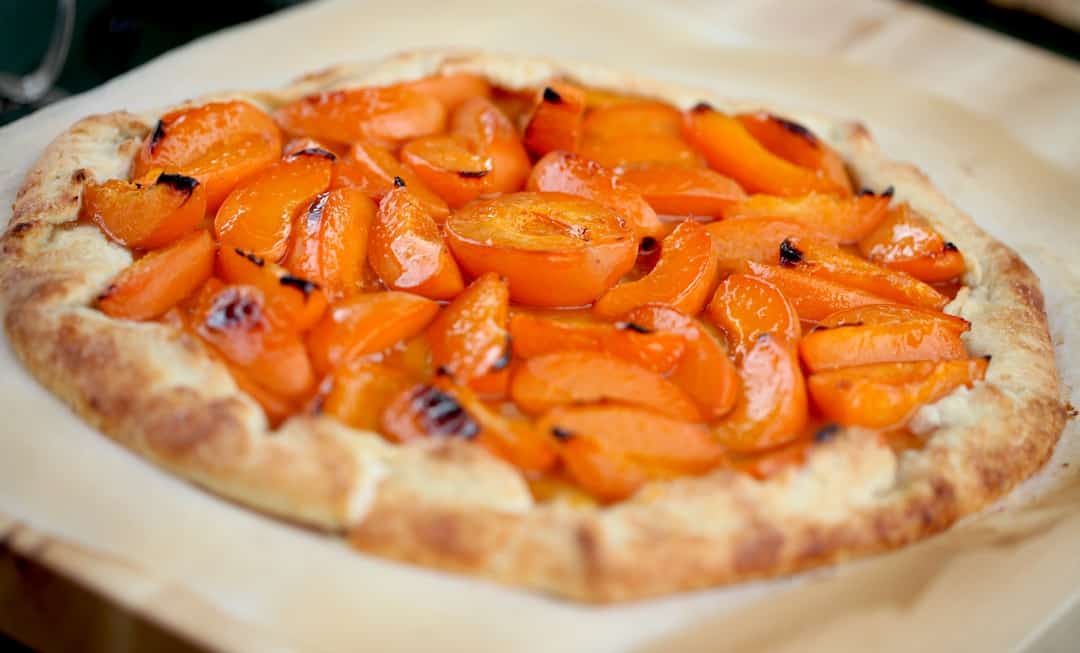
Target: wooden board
1026, 93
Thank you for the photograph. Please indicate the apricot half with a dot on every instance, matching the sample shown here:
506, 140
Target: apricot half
554, 249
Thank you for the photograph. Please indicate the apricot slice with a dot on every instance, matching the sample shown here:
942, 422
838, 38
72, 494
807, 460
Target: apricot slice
579, 377
847, 346
234, 320
452, 89
469, 338
221, 144
514, 439
276, 408
482, 124
633, 119
412, 356
449, 166
630, 150
291, 303
257, 215
387, 114
796, 144
373, 169
562, 172
705, 372
683, 278
745, 307
447, 410
408, 251
611, 451
673, 189
814, 298
367, 323
361, 390
732, 151
738, 241
146, 214
892, 314
330, 241
772, 408
886, 395
837, 265
160, 280
905, 241
658, 351
847, 219
582, 247
556, 120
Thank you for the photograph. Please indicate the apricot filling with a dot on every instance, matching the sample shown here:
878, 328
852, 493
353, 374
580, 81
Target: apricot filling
602, 290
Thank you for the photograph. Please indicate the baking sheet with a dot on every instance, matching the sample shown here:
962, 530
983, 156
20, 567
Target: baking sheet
296, 588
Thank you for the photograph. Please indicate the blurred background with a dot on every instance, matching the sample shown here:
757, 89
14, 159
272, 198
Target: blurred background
50, 49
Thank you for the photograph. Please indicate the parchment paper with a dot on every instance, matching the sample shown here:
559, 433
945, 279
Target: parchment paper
986, 585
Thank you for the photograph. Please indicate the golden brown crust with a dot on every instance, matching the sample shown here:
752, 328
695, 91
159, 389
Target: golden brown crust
448, 504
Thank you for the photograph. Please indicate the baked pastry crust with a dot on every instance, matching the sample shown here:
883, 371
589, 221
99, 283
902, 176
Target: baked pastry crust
447, 504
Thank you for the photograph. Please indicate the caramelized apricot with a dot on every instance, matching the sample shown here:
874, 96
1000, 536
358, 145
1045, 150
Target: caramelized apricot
444, 409
160, 280
234, 320
561, 172
367, 323
388, 114
221, 144
683, 278
847, 219
772, 408
745, 307
582, 248
658, 351
516, 440
330, 241
361, 390
489, 131
738, 241
579, 377
276, 407
408, 251
837, 265
612, 450
797, 144
732, 151
449, 166
257, 215
633, 119
673, 189
633, 150
847, 346
905, 241
291, 303
814, 298
892, 314
469, 338
148, 213
556, 119
705, 372
373, 169
886, 395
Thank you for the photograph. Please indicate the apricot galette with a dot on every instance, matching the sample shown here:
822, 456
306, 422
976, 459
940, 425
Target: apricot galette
542, 323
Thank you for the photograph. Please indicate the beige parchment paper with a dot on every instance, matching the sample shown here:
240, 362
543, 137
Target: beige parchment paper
236, 579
